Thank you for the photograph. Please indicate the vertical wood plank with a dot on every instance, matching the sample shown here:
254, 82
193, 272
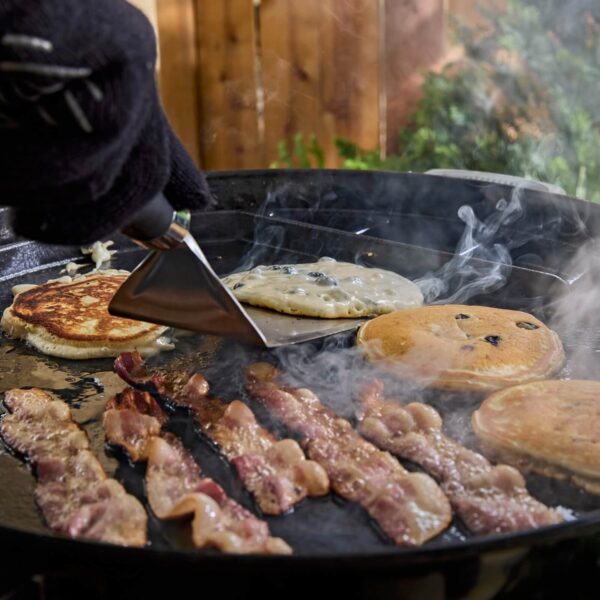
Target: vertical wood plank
414, 41
349, 74
290, 70
177, 70
229, 136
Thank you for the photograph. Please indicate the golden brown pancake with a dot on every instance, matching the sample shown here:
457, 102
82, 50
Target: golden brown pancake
69, 318
548, 427
460, 347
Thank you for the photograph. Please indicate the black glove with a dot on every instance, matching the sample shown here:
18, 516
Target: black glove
84, 143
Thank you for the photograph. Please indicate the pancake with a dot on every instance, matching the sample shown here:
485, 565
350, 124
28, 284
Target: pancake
327, 288
547, 427
69, 318
456, 347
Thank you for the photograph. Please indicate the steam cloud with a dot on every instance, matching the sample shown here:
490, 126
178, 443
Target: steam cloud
471, 277
481, 263
576, 314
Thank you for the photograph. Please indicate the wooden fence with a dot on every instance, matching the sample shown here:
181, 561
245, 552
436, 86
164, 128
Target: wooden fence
239, 76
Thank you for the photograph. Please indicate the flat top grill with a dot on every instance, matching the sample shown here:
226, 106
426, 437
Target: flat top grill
318, 528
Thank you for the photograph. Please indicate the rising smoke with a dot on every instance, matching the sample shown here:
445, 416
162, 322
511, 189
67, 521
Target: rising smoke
481, 264
576, 313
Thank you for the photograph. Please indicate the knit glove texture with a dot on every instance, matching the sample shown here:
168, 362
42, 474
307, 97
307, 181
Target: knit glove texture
84, 142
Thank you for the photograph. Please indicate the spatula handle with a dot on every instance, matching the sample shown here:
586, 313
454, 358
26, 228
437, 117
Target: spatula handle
156, 226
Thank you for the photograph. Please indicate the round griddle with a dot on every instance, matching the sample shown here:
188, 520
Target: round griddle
329, 536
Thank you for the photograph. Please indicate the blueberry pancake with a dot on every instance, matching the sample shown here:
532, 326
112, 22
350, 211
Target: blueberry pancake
327, 288
459, 347
547, 427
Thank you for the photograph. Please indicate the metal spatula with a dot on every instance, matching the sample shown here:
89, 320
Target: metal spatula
176, 286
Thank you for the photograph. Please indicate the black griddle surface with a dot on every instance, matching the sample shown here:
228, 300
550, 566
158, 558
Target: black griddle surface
324, 527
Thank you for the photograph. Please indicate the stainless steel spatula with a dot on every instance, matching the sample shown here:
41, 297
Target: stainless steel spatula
176, 286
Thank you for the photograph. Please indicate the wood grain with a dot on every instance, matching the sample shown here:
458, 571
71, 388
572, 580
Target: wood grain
414, 41
349, 74
178, 70
336, 68
289, 34
229, 136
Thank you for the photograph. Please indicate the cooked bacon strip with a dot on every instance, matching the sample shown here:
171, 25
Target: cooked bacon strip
409, 507
131, 368
489, 499
130, 419
174, 483
175, 488
74, 493
275, 472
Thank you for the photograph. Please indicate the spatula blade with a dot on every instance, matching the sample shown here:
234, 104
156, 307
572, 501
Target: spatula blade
178, 288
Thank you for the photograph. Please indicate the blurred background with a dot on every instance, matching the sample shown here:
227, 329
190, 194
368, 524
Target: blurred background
509, 86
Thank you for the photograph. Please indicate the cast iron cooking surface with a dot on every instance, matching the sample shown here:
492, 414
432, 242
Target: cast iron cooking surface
412, 207
320, 528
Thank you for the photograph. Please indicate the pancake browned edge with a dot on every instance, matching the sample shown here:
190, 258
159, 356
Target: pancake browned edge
69, 318
463, 348
547, 427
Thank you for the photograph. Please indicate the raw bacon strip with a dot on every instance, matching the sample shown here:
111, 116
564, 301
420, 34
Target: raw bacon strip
489, 499
275, 472
74, 493
174, 483
409, 507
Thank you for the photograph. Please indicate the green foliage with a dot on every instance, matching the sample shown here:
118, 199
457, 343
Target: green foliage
304, 154
523, 101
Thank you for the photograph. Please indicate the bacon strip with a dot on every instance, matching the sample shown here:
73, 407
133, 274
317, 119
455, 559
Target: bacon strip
130, 419
74, 493
275, 472
488, 499
131, 368
409, 507
174, 482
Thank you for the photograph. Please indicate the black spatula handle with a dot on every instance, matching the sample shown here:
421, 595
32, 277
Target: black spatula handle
158, 226
152, 222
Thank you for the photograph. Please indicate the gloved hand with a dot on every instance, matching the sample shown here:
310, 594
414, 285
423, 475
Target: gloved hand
84, 143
